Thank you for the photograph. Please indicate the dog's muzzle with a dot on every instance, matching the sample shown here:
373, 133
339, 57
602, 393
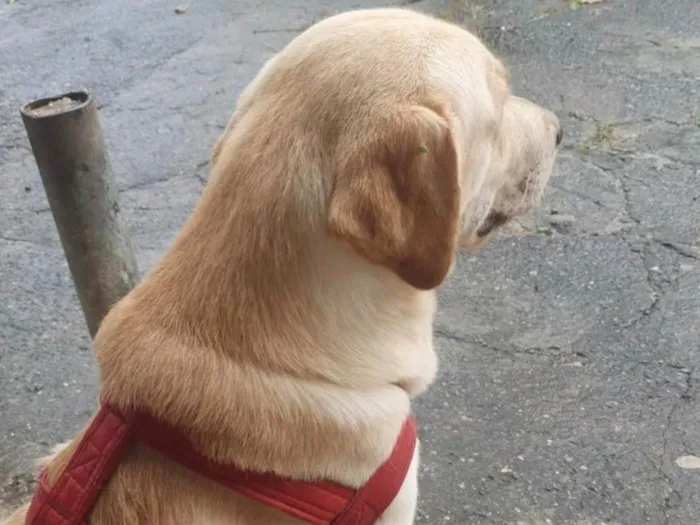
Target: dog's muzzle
494, 220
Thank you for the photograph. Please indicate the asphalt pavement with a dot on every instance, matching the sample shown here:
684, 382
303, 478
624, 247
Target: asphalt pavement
570, 347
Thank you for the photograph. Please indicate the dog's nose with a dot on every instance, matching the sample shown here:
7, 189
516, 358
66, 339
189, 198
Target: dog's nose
560, 134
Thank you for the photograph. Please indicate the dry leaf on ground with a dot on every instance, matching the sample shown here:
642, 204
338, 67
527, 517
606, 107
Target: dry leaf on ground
688, 462
575, 4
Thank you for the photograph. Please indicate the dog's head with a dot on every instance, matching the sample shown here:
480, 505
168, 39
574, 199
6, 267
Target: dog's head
424, 149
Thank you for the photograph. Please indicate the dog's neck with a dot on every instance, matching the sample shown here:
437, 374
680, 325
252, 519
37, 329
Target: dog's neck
258, 279
368, 327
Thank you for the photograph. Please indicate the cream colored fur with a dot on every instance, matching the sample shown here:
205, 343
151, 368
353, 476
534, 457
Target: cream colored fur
290, 323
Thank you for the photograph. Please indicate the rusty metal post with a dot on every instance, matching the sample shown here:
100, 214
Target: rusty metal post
70, 153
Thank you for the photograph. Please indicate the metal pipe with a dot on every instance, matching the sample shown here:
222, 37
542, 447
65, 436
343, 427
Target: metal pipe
70, 153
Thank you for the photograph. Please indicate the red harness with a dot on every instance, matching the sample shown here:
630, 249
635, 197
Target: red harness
70, 499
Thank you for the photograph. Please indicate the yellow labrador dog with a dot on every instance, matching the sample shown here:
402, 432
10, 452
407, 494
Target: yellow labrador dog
290, 323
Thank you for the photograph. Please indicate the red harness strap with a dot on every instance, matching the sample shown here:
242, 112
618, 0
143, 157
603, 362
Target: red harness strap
70, 499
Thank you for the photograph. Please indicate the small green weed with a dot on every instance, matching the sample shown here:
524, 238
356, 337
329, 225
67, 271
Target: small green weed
696, 118
604, 135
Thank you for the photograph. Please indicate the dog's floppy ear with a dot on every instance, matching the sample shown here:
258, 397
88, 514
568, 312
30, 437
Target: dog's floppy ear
395, 196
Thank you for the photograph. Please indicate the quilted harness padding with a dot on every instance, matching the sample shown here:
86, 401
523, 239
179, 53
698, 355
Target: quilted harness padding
71, 498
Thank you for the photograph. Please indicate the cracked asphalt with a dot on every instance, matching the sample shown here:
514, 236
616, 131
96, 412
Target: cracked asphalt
570, 347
